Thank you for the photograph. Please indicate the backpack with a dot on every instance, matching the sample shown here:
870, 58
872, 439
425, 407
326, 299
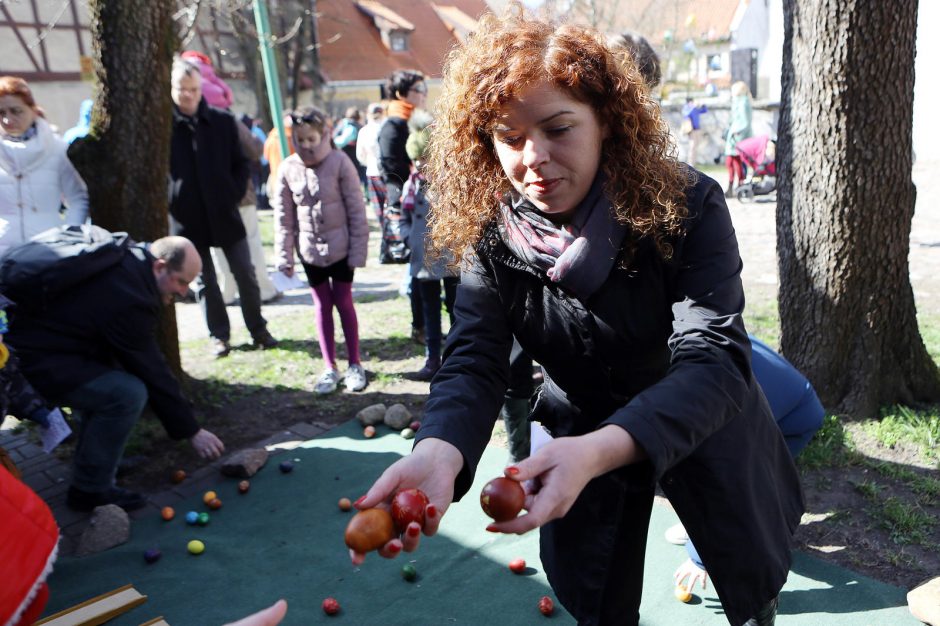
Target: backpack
393, 248
33, 274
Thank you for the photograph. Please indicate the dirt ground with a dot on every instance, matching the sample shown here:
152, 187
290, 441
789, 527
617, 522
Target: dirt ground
835, 527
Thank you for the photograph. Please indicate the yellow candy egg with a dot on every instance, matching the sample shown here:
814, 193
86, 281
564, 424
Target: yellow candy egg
196, 547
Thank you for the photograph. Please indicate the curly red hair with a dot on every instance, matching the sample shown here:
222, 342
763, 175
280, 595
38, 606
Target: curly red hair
645, 184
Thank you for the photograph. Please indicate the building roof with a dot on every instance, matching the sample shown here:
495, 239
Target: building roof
351, 44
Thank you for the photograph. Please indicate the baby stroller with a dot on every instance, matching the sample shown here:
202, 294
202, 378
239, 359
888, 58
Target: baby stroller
758, 154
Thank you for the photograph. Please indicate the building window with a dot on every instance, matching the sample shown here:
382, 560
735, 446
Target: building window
399, 42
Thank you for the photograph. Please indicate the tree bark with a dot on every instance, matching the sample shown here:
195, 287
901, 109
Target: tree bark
845, 204
125, 158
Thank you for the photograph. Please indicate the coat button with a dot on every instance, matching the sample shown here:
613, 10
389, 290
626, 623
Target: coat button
492, 241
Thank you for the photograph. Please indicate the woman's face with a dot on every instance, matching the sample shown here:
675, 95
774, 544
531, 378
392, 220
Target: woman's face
417, 95
549, 146
15, 115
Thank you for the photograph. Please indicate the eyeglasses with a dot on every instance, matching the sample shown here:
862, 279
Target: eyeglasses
313, 118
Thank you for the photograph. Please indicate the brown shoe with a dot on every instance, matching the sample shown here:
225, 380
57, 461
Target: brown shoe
220, 347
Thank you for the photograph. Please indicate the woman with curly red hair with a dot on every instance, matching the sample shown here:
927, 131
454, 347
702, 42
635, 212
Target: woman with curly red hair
617, 269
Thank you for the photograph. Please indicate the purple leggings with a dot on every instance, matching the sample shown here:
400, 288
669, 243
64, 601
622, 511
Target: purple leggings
326, 295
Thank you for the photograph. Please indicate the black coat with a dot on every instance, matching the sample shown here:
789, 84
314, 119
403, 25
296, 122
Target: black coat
661, 351
100, 325
393, 158
208, 176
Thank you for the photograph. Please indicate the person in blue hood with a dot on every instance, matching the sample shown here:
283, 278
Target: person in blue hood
84, 122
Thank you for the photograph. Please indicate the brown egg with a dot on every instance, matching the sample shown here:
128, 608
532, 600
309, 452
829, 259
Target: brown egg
214, 503
370, 530
344, 504
244, 486
502, 499
178, 476
167, 513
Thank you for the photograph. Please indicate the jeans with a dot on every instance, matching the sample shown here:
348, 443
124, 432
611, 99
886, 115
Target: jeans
249, 296
107, 409
431, 308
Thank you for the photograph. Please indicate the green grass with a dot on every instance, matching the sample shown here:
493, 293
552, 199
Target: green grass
830, 447
897, 424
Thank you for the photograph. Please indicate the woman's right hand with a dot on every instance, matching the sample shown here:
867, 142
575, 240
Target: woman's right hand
287, 270
432, 467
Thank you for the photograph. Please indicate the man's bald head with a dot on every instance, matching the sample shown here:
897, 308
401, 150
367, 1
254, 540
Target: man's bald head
176, 264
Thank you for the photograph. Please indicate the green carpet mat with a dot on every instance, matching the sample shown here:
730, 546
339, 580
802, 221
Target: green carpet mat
285, 539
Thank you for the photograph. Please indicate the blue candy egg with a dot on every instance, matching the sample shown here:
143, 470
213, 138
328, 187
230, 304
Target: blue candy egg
192, 517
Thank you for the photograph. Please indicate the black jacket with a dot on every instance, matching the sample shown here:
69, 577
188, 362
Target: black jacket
105, 323
393, 158
208, 177
659, 350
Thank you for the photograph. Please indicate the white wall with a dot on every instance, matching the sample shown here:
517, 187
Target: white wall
61, 100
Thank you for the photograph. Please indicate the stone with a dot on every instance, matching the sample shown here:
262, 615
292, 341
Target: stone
924, 602
246, 463
372, 415
109, 526
398, 417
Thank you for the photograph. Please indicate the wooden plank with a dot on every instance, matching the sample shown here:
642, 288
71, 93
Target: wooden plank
97, 610
157, 621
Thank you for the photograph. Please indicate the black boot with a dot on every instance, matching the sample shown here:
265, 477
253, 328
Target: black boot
766, 616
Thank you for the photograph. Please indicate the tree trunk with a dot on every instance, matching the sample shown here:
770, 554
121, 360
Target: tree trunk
845, 204
125, 158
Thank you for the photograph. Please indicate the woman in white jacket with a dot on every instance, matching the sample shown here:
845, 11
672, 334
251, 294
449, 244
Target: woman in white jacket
36, 176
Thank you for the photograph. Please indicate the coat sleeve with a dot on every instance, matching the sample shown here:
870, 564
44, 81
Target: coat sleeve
709, 375
74, 192
285, 219
467, 392
239, 163
356, 222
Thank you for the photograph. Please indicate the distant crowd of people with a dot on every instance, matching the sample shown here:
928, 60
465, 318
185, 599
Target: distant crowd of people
582, 245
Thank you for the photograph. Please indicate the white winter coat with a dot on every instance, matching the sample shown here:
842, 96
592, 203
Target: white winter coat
36, 179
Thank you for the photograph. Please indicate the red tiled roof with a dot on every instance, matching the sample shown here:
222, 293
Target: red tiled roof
351, 46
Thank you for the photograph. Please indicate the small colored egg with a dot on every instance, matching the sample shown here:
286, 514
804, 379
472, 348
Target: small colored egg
682, 594
196, 547
286, 467
192, 518
178, 476
330, 606
209, 495
409, 572
368, 432
244, 486
345, 504
215, 504
203, 518
152, 555
415, 425
408, 433
167, 513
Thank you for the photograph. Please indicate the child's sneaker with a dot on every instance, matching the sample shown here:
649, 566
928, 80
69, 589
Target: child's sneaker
355, 378
327, 382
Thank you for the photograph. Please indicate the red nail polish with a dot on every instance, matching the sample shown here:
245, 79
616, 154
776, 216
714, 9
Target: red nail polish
413, 531
512, 470
394, 547
430, 510
359, 501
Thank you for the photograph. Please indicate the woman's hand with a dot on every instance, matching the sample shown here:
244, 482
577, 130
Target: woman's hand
207, 445
287, 270
432, 467
561, 469
689, 573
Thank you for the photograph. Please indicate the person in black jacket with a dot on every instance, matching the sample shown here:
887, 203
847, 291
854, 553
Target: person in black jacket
617, 269
208, 177
407, 91
94, 349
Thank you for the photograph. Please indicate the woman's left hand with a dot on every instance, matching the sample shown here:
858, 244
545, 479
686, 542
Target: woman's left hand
561, 469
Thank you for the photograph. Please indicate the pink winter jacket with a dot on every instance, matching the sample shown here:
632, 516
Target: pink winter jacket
320, 212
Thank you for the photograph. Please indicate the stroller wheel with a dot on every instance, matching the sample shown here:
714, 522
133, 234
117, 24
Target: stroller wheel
745, 193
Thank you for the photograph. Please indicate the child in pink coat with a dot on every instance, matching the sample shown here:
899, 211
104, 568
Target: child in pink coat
319, 211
